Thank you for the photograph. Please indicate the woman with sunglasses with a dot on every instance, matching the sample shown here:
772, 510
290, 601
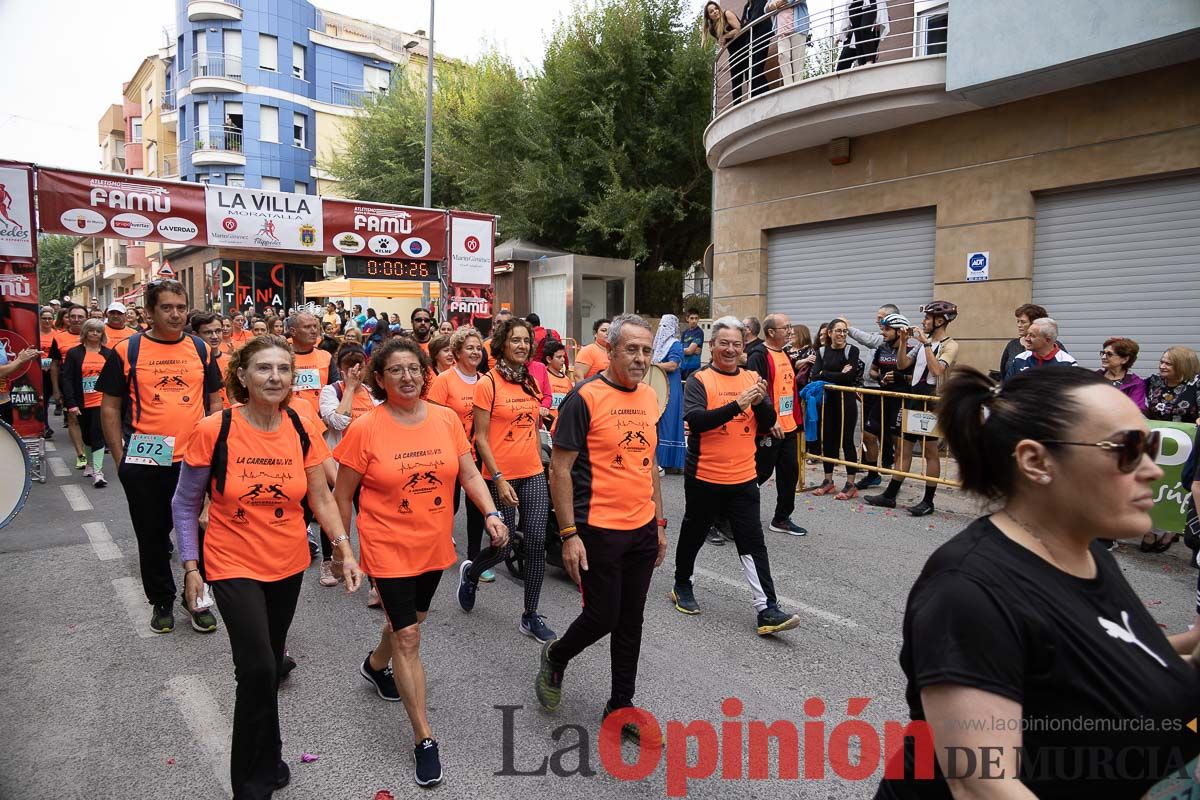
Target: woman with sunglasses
1117, 357
1023, 623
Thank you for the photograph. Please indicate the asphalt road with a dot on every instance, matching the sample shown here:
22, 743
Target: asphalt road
97, 706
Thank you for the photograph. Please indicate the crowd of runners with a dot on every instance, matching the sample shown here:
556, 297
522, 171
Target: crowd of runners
264, 443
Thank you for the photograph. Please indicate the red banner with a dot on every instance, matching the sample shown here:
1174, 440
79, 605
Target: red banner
19, 311
353, 228
121, 207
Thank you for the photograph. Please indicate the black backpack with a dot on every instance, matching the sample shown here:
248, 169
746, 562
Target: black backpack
220, 457
135, 347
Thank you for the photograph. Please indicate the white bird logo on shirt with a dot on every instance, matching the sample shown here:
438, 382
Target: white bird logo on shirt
1126, 634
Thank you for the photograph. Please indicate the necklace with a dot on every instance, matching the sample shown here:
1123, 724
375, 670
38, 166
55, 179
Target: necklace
1039, 540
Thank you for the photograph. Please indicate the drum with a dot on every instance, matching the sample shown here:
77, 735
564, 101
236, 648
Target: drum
14, 463
658, 381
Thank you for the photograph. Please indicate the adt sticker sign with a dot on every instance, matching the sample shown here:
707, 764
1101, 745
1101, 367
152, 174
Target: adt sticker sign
977, 266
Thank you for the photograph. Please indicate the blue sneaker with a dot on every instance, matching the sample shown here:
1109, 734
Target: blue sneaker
534, 626
466, 587
487, 576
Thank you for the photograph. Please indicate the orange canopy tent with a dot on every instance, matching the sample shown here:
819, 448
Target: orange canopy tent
352, 287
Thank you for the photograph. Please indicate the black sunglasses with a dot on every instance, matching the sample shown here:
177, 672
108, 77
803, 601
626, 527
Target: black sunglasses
1130, 446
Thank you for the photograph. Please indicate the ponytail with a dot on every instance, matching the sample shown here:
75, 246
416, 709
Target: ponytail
983, 422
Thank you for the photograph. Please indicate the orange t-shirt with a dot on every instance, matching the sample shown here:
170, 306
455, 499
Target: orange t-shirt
614, 430
423, 345
172, 386
726, 454
256, 527
513, 431
46, 340
595, 356
239, 338
93, 364
406, 503
559, 387
117, 334
65, 341
450, 390
312, 372
783, 390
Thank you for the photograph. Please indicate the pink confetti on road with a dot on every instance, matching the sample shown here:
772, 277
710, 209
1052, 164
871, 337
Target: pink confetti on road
308, 758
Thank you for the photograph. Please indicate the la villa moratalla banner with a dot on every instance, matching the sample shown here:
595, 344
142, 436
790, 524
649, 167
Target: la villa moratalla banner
144, 209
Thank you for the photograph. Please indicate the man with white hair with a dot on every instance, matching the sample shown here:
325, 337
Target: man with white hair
1042, 349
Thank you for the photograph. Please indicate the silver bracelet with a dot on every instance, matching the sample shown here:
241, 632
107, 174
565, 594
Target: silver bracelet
345, 537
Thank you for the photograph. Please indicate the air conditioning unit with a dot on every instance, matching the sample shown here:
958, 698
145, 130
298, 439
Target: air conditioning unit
329, 268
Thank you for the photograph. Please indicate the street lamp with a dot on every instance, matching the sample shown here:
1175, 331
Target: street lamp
428, 194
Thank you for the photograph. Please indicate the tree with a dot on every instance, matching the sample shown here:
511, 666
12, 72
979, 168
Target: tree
601, 152
56, 266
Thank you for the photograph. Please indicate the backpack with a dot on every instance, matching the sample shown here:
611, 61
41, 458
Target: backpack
135, 347
540, 337
220, 456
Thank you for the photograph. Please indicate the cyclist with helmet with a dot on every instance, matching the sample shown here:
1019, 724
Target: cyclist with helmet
936, 354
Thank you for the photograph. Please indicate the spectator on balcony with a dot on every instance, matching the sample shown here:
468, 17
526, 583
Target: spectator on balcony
863, 24
794, 30
757, 31
722, 25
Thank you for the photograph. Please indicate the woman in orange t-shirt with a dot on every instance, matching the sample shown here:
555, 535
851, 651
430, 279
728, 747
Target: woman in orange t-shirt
562, 381
507, 421
81, 368
259, 461
455, 389
403, 459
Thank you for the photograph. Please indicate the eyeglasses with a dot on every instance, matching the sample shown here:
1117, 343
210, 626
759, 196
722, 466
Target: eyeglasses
399, 370
1130, 447
1107, 354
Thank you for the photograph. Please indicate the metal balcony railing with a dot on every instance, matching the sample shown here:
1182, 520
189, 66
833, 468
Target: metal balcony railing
216, 65
788, 45
344, 95
351, 29
168, 100
217, 137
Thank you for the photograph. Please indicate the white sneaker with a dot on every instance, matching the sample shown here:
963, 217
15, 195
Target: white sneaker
327, 578
98, 480
87, 471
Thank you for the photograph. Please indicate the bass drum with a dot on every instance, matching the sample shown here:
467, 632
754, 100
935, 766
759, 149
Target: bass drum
658, 381
14, 463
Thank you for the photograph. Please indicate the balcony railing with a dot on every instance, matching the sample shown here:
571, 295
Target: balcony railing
168, 100
351, 29
788, 46
218, 137
344, 95
216, 65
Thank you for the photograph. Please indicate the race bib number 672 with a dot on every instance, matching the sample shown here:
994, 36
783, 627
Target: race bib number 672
150, 450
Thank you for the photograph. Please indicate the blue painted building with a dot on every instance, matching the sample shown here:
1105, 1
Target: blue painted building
263, 86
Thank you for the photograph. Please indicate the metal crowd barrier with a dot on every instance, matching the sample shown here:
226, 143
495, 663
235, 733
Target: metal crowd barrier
912, 421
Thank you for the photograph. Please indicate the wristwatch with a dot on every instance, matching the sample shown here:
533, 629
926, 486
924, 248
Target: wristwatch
495, 514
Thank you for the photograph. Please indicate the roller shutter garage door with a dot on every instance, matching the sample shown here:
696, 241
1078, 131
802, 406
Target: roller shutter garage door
852, 267
1121, 260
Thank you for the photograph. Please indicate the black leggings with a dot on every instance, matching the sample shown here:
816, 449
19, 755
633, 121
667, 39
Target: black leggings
838, 423
534, 497
257, 616
474, 521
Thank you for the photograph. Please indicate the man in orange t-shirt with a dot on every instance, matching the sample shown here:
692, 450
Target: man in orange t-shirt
779, 456
115, 329
315, 368
725, 407
422, 327
593, 359
149, 407
64, 341
604, 480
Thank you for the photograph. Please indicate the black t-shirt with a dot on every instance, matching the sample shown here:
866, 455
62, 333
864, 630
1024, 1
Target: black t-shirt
989, 614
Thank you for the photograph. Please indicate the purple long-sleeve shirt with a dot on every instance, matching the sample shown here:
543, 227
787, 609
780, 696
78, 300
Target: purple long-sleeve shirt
1133, 386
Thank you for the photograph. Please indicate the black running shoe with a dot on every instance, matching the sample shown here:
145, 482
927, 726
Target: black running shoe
880, 500
685, 600
715, 537
429, 765
289, 664
868, 481
381, 679
921, 509
772, 620
283, 775
651, 738
162, 619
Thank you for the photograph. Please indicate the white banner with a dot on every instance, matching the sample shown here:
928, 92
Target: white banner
16, 228
471, 250
240, 217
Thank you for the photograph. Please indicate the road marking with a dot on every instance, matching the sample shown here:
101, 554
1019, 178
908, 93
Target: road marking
58, 467
106, 549
787, 602
129, 592
206, 722
50, 448
76, 497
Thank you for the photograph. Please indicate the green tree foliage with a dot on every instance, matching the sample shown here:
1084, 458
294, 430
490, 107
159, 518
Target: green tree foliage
56, 266
600, 152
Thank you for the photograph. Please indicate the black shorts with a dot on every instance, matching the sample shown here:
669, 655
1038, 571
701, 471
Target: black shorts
890, 416
403, 598
917, 405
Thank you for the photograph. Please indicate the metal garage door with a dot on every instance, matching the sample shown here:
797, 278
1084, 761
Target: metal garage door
1121, 261
853, 266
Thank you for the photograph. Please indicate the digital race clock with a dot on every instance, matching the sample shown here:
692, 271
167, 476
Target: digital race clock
396, 269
